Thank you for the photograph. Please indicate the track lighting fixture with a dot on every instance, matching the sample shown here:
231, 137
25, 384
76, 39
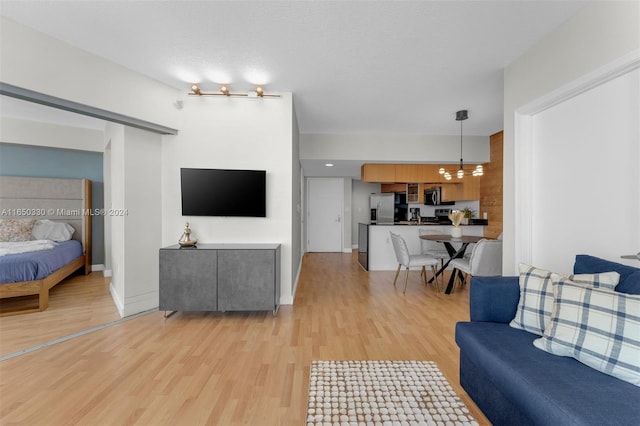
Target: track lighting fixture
225, 91
478, 171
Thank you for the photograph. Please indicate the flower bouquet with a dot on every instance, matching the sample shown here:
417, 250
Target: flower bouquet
456, 217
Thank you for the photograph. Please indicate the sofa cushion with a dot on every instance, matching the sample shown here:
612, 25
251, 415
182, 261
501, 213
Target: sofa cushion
629, 276
536, 295
597, 327
547, 389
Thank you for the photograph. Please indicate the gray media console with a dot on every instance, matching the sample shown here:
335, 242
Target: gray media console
220, 277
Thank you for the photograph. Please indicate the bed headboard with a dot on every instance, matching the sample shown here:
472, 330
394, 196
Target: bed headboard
60, 200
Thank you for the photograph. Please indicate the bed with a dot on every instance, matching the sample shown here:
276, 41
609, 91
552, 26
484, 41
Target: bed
34, 273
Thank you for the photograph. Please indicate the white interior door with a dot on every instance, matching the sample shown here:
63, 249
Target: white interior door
324, 214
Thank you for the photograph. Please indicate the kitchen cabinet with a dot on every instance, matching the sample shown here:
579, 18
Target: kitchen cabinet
413, 193
378, 173
428, 173
451, 191
471, 188
408, 172
393, 187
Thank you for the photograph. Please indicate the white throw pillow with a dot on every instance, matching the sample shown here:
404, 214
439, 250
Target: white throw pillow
46, 229
536, 295
599, 328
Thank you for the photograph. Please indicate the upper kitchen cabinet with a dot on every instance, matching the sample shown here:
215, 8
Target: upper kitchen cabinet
428, 173
471, 188
378, 173
408, 173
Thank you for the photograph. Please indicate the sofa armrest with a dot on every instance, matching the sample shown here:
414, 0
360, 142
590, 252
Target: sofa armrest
493, 299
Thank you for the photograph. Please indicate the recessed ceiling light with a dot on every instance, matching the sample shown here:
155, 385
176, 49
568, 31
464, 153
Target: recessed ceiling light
329, 164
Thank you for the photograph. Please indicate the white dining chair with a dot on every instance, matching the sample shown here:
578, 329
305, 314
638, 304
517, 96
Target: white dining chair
433, 248
412, 260
485, 261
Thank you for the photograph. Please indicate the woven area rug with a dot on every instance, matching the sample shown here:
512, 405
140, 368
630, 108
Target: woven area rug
382, 393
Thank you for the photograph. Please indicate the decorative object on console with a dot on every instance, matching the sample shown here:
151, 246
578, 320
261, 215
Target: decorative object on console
224, 91
185, 240
478, 171
456, 217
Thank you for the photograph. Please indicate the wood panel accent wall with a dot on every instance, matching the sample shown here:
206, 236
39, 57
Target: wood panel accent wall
491, 193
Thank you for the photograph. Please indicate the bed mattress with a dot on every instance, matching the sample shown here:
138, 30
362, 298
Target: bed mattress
38, 264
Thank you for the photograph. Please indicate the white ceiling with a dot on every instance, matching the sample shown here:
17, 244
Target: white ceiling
353, 66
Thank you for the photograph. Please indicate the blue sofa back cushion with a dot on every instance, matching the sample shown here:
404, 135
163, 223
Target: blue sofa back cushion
629, 276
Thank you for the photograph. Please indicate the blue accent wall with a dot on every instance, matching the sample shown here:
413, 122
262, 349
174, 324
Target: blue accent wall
35, 161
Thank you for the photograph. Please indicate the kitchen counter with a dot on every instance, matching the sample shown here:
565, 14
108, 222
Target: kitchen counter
381, 256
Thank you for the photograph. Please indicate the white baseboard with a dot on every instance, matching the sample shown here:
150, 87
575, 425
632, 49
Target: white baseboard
107, 273
135, 304
98, 267
289, 300
347, 250
116, 300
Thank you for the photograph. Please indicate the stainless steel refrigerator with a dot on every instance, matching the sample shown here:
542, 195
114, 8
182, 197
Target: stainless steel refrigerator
382, 209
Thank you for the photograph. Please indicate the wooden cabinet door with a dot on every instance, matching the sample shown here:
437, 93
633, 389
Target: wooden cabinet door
451, 191
393, 187
428, 173
379, 173
407, 173
471, 188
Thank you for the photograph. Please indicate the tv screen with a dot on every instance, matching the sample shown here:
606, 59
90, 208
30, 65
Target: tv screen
217, 192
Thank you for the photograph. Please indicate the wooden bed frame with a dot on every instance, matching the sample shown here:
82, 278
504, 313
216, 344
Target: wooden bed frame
63, 200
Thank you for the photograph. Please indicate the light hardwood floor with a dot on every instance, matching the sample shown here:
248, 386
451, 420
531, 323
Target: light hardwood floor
234, 368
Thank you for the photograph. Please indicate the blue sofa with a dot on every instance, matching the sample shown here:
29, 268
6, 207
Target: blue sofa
514, 383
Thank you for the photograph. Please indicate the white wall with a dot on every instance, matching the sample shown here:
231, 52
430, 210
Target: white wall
394, 147
296, 204
134, 160
29, 132
600, 33
360, 207
32, 60
586, 178
115, 225
143, 219
235, 133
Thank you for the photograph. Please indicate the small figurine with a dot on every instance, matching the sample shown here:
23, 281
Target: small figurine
185, 240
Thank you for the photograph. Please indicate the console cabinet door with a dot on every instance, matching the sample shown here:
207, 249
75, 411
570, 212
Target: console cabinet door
188, 280
246, 280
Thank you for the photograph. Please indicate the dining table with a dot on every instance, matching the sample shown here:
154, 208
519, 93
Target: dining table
454, 253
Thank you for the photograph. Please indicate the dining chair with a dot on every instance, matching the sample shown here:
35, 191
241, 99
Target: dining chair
412, 260
433, 248
485, 261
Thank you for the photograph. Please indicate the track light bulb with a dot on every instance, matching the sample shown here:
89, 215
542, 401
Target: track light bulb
224, 90
195, 89
260, 91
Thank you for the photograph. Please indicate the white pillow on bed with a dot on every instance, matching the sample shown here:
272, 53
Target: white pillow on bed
46, 229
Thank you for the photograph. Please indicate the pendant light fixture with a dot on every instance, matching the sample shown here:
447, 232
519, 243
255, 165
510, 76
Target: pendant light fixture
478, 171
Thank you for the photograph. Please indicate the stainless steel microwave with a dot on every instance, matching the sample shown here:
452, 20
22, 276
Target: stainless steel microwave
433, 197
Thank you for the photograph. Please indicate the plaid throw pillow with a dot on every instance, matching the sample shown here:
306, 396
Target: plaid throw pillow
536, 295
599, 328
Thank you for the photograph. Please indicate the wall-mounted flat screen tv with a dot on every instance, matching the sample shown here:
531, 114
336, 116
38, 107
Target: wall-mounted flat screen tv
219, 192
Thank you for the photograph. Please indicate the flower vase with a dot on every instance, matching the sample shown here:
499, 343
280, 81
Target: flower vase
456, 231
